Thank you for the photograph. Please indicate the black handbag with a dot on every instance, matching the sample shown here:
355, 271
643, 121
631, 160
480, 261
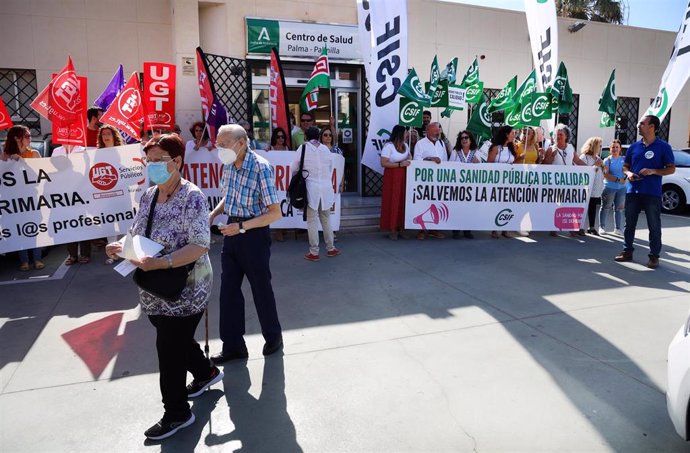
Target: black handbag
297, 190
166, 284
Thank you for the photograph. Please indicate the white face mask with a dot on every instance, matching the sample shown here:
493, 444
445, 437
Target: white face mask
226, 155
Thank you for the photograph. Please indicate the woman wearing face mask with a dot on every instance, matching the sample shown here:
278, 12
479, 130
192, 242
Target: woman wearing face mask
180, 224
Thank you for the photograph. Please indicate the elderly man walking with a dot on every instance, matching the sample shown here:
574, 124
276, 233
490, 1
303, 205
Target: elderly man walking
646, 161
251, 203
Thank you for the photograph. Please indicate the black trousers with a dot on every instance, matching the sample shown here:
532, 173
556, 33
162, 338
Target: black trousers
592, 211
247, 254
178, 352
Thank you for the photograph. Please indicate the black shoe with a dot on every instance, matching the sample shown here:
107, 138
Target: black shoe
196, 388
226, 356
624, 256
468, 235
166, 427
653, 262
273, 346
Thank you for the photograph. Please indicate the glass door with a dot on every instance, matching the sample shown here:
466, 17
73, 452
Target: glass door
347, 122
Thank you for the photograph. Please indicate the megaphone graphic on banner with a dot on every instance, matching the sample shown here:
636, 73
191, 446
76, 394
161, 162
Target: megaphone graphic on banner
433, 215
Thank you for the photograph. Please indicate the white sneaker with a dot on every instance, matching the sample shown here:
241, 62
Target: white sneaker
618, 232
602, 231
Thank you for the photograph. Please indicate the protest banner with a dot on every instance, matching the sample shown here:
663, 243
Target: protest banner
451, 196
205, 169
71, 198
159, 96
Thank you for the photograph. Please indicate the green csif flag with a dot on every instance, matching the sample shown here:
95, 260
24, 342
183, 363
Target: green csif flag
607, 102
562, 93
473, 93
412, 89
535, 107
320, 78
480, 122
434, 78
512, 116
450, 72
524, 93
504, 99
471, 76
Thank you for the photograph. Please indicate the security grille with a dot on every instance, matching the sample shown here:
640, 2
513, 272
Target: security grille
627, 111
18, 90
372, 182
665, 126
233, 85
571, 119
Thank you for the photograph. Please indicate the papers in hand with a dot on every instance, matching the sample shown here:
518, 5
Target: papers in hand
135, 248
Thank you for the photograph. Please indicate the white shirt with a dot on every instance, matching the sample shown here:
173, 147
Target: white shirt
564, 156
483, 151
318, 163
393, 155
458, 155
503, 155
425, 149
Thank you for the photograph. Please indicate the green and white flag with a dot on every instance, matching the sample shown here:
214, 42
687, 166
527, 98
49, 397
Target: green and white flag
512, 116
440, 97
561, 91
320, 78
410, 113
434, 78
480, 122
471, 76
504, 99
607, 101
535, 108
473, 93
412, 89
529, 86
450, 72
607, 120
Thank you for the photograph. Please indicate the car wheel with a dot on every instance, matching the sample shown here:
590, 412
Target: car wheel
672, 199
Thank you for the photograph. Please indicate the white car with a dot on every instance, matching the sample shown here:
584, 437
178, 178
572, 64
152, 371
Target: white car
678, 385
676, 187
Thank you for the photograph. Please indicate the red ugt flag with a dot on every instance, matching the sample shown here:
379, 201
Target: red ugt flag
159, 96
5, 118
61, 98
205, 90
126, 111
72, 131
276, 98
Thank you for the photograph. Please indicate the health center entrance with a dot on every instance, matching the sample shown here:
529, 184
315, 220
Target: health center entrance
344, 104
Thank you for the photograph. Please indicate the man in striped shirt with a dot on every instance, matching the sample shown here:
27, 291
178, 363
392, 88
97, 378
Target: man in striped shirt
251, 203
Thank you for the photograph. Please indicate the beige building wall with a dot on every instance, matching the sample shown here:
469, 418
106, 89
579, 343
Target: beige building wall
100, 34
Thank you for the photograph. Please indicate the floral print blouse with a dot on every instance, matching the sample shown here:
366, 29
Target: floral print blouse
182, 220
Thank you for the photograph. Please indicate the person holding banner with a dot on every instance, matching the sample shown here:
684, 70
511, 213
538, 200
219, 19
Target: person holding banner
502, 151
201, 139
179, 221
589, 153
464, 152
18, 146
433, 149
318, 165
613, 196
251, 203
108, 137
527, 147
278, 140
395, 157
646, 162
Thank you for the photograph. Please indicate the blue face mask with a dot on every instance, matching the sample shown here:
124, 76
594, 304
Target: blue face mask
158, 172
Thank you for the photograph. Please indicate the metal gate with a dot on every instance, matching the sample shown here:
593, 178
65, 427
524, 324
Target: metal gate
627, 111
233, 85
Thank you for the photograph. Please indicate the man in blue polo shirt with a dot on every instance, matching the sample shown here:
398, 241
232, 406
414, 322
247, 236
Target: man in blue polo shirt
646, 162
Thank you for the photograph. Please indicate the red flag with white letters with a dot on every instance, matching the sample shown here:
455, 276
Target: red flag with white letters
5, 118
277, 98
127, 111
61, 98
159, 96
72, 131
205, 89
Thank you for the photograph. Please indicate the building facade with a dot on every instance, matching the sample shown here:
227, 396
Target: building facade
38, 35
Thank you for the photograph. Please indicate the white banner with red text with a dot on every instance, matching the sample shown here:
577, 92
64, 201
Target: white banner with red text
452, 196
205, 169
72, 198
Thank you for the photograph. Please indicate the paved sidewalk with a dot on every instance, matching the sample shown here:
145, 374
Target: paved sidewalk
522, 345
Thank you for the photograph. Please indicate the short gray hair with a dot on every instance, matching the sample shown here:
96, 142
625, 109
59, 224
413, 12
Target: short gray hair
565, 129
234, 131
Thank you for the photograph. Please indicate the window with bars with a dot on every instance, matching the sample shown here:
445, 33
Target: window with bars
665, 126
627, 111
233, 85
18, 90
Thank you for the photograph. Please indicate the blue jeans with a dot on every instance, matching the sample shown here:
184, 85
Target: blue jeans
612, 199
24, 255
634, 204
